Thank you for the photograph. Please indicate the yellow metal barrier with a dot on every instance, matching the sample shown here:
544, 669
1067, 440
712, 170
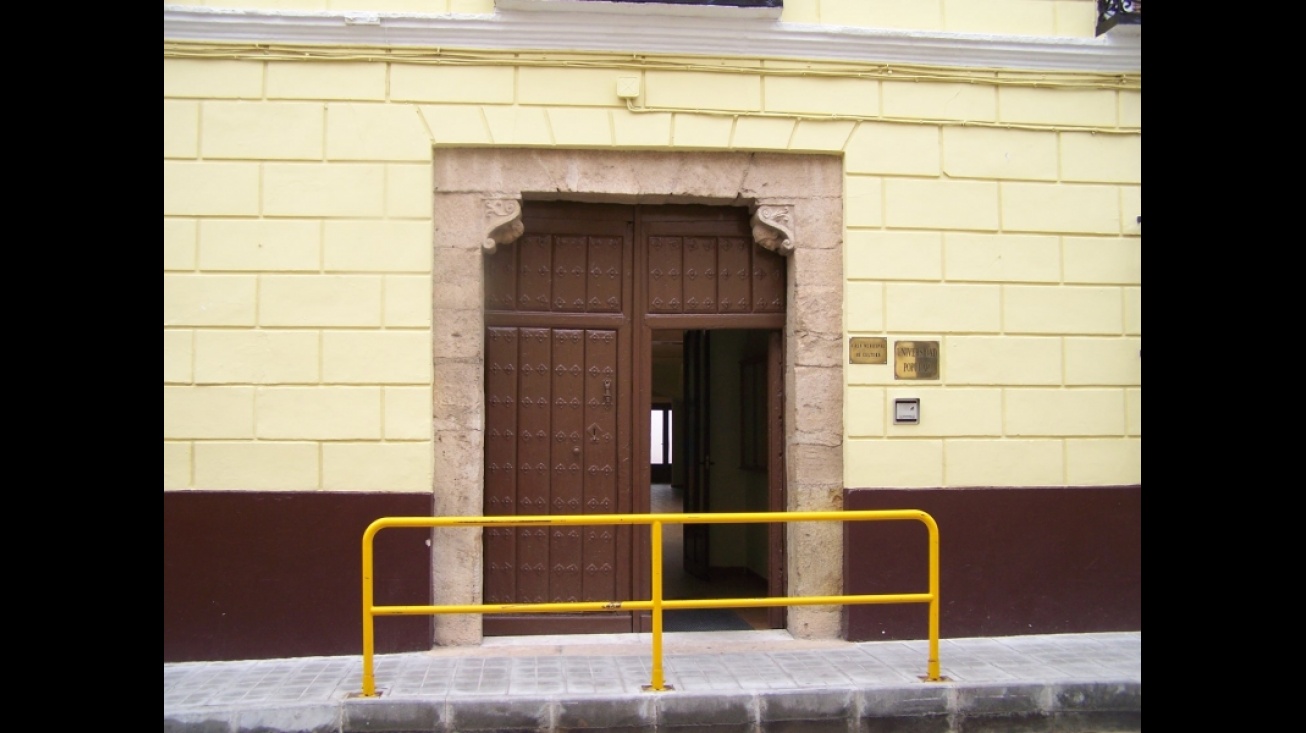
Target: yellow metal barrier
656, 604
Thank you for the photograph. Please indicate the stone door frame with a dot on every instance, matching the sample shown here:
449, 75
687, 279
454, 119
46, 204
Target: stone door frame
797, 209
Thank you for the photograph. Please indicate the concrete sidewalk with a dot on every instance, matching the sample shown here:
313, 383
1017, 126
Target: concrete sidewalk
723, 681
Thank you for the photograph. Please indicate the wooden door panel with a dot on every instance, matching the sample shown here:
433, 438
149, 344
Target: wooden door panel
664, 274
768, 282
710, 267
734, 280
569, 273
700, 274
501, 463
534, 421
552, 399
605, 276
600, 474
557, 273
566, 485
557, 409
535, 280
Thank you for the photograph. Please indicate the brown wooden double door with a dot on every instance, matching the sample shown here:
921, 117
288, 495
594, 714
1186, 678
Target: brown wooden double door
570, 308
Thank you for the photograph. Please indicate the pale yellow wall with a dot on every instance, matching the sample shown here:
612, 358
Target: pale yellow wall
379, 6
1065, 18
297, 280
995, 218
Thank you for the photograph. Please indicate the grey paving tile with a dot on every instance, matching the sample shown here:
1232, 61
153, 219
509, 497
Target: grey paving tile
1082, 682
1099, 721
310, 718
200, 722
977, 672
624, 712
720, 711
1003, 699
810, 706
1011, 722
392, 716
499, 714
1096, 696
900, 701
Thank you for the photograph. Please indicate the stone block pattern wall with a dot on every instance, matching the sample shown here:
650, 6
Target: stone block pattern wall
298, 263
297, 281
1073, 18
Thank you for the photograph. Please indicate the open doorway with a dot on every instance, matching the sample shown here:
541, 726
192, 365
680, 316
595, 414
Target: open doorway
711, 414
571, 309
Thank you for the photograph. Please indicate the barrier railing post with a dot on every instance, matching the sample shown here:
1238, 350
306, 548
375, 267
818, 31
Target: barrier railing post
369, 641
656, 537
933, 663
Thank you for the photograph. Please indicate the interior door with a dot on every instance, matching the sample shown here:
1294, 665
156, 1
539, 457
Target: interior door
698, 449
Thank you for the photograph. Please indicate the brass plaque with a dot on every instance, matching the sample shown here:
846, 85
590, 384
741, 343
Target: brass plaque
916, 360
868, 350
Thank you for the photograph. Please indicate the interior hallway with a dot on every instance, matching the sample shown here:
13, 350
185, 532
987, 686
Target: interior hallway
725, 582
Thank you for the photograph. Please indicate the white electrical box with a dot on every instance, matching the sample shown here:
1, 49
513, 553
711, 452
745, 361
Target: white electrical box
628, 87
906, 411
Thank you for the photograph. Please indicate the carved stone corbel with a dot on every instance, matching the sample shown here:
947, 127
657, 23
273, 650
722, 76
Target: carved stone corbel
502, 223
773, 227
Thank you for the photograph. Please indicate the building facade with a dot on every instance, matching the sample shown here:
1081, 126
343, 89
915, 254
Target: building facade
449, 257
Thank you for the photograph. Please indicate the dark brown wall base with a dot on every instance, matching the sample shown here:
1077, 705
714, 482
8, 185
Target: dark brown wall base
259, 575
1012, 561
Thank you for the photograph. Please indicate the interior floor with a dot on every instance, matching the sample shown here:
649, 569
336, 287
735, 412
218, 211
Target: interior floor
725, 582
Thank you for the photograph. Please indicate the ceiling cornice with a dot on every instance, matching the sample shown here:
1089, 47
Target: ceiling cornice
1114, 52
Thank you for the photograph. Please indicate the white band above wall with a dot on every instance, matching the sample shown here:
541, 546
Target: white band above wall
658, 34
